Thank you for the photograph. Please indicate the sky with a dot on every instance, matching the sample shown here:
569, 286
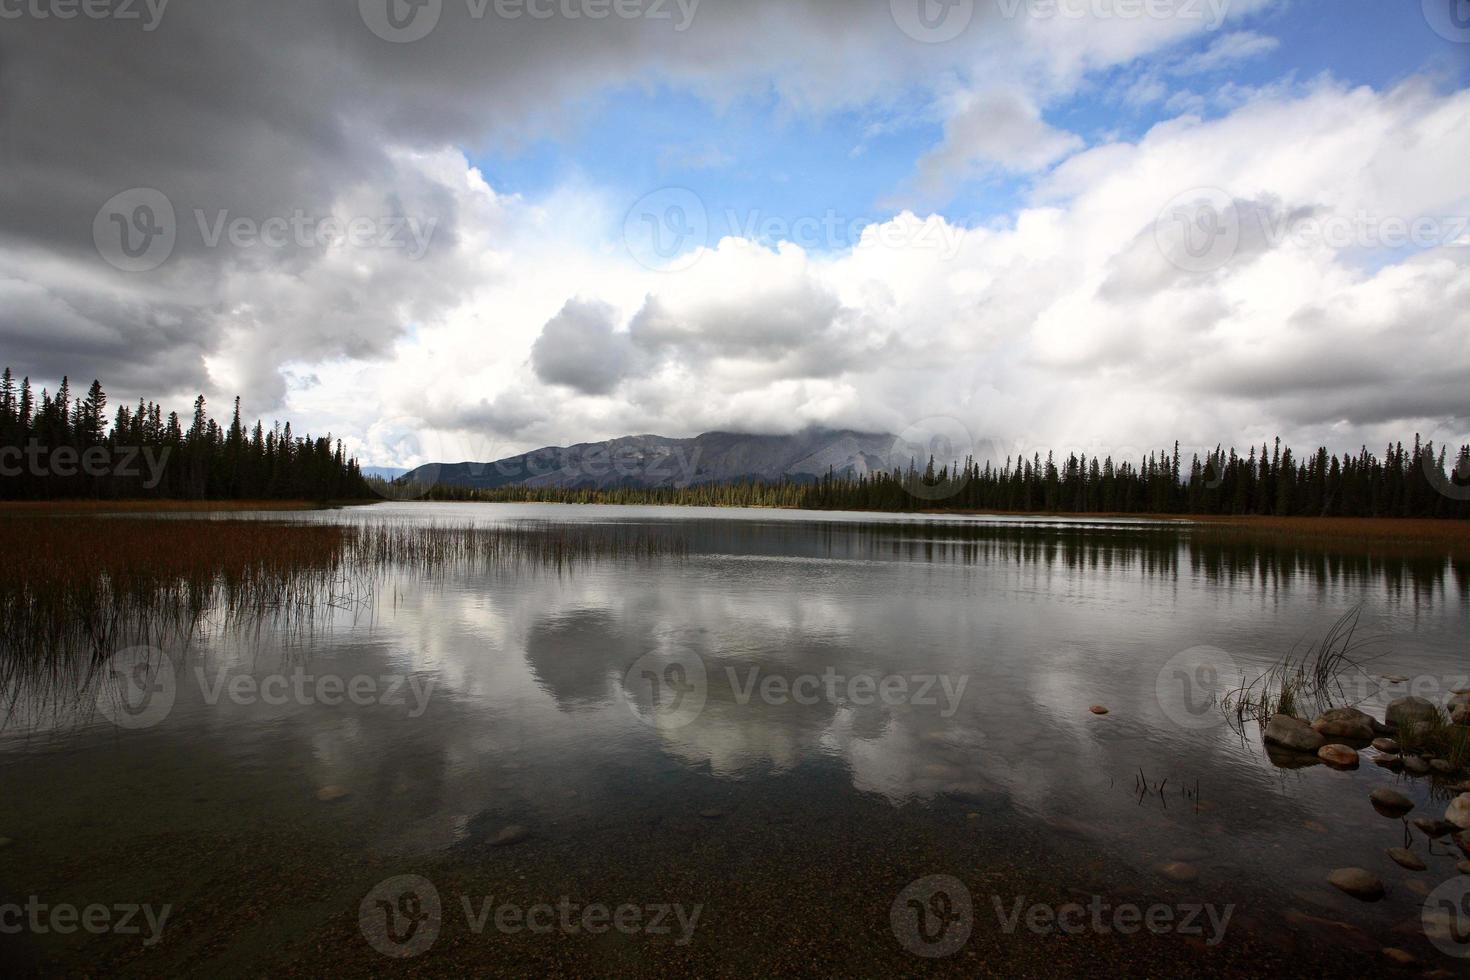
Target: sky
447, 230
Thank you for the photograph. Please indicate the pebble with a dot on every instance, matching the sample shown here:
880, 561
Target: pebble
1339, 756
1358, 883
1098, 709
1406, 858
1400, 956
1458, 812
329, 794
1180, 872
1390, 802
1386, 745
513, 834
1416, 765
1434, 828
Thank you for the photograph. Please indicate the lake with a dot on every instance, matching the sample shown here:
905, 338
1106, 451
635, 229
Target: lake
776, 742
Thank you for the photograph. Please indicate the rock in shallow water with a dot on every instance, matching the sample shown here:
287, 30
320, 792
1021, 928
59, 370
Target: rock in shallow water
513, 834
1390, 802
1416, 765
1406, 858
1338, 756
1344, 723
329, 794
1293, 733
1410, 711
1098, 709
1358, 883
1180, 871
1434, 828
1400, 956
1458, 812
1386, 745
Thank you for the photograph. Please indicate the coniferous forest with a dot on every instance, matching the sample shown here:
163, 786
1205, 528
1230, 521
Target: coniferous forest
66, 447
1418, 482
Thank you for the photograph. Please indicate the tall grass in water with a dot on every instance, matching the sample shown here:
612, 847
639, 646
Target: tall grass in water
1302, 685
87, 587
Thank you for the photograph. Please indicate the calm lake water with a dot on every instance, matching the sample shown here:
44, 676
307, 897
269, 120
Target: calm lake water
776, 735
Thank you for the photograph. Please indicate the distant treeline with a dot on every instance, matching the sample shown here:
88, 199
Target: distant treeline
63, 447
1417, 482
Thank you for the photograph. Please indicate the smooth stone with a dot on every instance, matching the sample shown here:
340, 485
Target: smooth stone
513, 834
1416, 765
329, 794
1406, 858
1393, 762
1462, 841
1417, 887
1098, 709
1390, 802
1338, 756
1434, 828
1458, 812
1293, 733
1460, 714
1344, 723
1400, 956
1358, 883
1463, 867
1180, 872
1410, 710
1386, 745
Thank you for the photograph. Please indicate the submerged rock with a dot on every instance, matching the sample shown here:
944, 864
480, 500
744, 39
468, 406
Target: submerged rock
1098, 709
1358, 883
1434, 828
1460, 714
1441, 766
1344, 723
1293, 733
513, 834
1338, 756
1400, 956
1180, 871
329, 794
1416, 765
1463, 867
1393, 762
1390, 802
1410, 711
1406, 858
1386, 745
1458, 812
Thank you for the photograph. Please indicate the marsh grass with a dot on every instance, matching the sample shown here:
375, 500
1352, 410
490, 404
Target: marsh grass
1306, 684
74, 590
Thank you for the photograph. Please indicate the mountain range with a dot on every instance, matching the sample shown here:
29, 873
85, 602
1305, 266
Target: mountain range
658, 461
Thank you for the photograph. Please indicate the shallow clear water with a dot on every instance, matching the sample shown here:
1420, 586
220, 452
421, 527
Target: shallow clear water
786, 725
